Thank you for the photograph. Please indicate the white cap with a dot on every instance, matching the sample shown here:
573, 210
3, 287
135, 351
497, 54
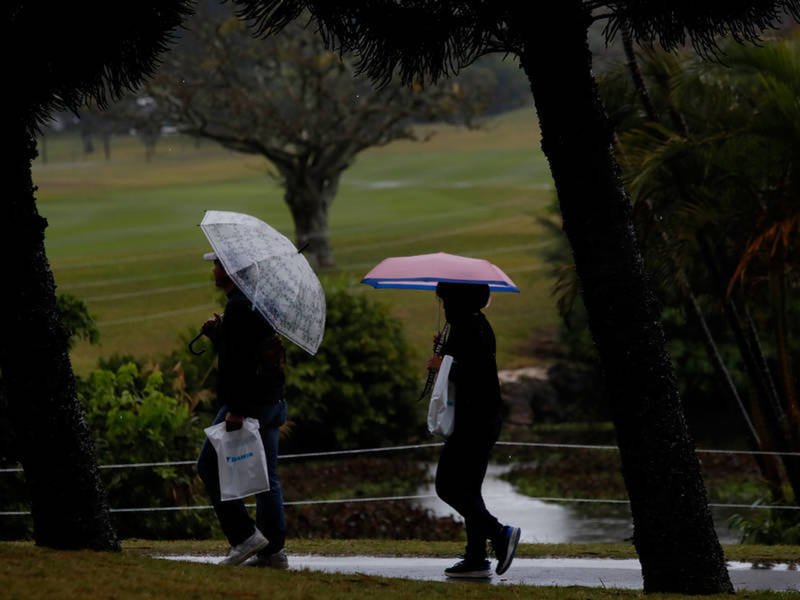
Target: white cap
210, 256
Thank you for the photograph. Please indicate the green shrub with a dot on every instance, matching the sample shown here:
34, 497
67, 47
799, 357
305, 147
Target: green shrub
76, 318
769, 527
360, 389
135, 421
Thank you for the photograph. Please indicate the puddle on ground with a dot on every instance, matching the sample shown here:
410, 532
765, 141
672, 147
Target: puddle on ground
556, 522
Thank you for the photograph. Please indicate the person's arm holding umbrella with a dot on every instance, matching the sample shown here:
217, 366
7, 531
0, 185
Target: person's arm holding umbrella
238, 358
434, 362
231, 337
209, 328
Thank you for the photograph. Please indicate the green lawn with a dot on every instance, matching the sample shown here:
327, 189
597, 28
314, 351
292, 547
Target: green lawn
32, 573
123, 233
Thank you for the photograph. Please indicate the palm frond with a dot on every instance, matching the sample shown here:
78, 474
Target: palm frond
424, 39
418, 39
779, 238
676, 23
73, 60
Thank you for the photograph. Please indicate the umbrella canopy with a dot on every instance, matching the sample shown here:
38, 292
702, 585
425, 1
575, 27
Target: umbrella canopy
269, 270
424, 271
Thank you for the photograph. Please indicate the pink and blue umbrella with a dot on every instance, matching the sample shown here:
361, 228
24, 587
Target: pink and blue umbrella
424, 271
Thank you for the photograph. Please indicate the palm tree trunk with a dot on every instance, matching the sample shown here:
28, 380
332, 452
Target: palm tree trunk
53, 442
673, 530
636, 74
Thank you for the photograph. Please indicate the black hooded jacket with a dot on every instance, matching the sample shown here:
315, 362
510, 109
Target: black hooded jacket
472, 345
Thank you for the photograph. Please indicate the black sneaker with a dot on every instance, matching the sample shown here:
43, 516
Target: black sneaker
273, 560
464, 569
505, 547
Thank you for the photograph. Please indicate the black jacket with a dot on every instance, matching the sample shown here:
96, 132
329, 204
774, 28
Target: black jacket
472, 345
251, 358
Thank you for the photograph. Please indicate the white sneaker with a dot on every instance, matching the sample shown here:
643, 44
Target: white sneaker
241, 552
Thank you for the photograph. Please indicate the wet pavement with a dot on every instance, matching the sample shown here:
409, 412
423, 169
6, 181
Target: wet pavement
586, 572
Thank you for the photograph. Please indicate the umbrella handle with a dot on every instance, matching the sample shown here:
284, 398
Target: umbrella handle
437, 349
191, 349
428, 384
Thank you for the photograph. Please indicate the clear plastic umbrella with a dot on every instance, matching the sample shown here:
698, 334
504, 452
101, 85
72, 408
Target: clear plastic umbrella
271, 272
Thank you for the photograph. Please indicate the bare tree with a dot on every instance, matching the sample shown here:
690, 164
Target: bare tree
298, 105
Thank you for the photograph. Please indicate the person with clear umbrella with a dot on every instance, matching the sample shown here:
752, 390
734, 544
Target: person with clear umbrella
250, 383
266, 281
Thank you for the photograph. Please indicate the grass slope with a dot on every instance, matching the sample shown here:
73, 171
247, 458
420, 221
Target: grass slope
123, 234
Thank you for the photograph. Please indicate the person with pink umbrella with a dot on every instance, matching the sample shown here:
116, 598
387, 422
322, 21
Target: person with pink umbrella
478, 419
463, 285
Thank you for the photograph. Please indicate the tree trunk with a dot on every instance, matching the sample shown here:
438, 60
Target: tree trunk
107, 145
673, 530
54, 444
636, 74
309, 199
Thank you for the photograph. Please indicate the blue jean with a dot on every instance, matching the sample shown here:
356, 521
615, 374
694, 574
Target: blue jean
233, 517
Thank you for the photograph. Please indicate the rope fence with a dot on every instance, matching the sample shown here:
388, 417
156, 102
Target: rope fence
303, 455
333, 453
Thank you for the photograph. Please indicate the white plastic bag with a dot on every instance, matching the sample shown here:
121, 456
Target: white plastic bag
442, 408
241, 459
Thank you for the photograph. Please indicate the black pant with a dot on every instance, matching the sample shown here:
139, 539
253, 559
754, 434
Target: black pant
459, 478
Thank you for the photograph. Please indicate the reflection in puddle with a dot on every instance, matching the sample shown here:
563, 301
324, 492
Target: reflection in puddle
763, 565
555, 523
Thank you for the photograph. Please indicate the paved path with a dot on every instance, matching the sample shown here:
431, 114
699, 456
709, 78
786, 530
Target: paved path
588, 572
